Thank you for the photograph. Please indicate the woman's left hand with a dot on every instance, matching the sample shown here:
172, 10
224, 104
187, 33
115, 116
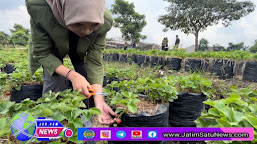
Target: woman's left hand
106, 110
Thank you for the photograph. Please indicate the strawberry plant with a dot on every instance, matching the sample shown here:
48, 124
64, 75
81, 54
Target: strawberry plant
193, 83
125, 102
238, 110
156, 89
65, 106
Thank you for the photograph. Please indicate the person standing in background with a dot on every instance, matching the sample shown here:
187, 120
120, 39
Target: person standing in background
163, 44
166, 44
177, 41
126, 45
134, 41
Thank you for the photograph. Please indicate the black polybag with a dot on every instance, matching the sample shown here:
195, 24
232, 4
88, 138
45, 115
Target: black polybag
123, 58
8, 68
159, 119
33, 92
193, 65
115, 57
173, 63
186, 109
223, 69
250, 71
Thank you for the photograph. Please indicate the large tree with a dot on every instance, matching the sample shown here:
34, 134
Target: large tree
20, 35
128, 20
194, 16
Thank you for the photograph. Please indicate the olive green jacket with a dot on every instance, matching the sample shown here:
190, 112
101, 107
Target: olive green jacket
48, 36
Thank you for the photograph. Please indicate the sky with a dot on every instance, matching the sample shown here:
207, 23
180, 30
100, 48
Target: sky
243, 30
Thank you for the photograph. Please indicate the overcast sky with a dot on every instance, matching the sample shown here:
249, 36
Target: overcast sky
243, 30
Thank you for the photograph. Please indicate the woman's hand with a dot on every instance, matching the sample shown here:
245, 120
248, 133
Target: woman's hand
106, 110
79, 82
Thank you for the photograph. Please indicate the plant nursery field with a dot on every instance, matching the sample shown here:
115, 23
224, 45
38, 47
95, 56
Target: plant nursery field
146, 88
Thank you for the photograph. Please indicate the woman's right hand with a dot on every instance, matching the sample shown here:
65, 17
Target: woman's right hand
79, 82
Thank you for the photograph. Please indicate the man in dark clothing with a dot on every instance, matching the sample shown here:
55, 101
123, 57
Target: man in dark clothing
177, 41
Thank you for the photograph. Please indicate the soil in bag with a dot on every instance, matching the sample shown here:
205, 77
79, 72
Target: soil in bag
145, 119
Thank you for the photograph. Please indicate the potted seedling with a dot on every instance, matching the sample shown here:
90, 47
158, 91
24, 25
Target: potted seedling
189, 105
24, 85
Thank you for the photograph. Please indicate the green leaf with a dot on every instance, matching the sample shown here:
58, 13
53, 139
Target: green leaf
132, 107
4, 127
209, 102
229, 113
47, 100
223, 122
5, 106
239, 116
95, 111
77, 122
118, 110
135, 101
46, 112
252, 120
86, 115
59, 117
214, 111
76, 113
68, 114
18, 88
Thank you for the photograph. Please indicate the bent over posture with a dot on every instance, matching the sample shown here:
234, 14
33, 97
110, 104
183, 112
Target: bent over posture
75, 28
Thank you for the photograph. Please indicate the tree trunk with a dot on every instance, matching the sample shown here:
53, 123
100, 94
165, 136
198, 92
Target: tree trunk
196, 41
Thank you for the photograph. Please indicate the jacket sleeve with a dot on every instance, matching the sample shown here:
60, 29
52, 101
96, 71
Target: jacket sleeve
42, 45
94, 60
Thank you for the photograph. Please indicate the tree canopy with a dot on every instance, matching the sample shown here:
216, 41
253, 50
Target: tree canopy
253, 49
20, 35
236, 47
194, 16
130, 22
203, 45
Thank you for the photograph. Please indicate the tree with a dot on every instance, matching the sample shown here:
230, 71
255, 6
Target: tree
194, 16
130, 22
253, 49
236, 47
4, 38
203, 45
218, 47
20, 35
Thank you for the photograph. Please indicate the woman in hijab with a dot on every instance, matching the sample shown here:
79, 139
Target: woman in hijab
75, 28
